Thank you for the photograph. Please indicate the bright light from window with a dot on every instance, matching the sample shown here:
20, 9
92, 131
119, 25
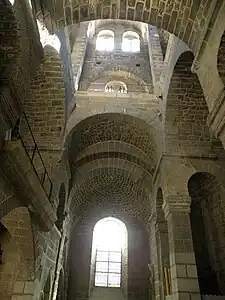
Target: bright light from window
109, 234
109, 239
12, 2
105, 41
116, 86
130, 42
47, 39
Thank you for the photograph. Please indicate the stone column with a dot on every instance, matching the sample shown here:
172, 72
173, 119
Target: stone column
154, 268
185, 284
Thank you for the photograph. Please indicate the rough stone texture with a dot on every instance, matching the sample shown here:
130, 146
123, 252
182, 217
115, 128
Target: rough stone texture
122, 155
45, 103
186, 131
187, 20
207, 213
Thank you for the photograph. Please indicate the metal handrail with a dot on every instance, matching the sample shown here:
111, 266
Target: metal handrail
44, 178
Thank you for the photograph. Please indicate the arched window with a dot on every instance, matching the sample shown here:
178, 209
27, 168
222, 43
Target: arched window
130, 42
109, 248
105, 41
47, 39
116, 87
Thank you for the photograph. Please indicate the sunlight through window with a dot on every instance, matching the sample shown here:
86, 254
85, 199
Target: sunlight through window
47, 39
109, 240
105, 41
130, 42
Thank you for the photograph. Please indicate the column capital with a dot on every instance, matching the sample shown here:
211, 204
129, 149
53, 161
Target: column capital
176, 204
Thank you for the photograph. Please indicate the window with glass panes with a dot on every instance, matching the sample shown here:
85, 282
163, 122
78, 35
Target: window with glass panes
108, 268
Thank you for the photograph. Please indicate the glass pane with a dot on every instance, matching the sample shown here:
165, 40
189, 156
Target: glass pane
115, 256
114, 280
102, 256
114, 267
101, 267
135, 45
100, 279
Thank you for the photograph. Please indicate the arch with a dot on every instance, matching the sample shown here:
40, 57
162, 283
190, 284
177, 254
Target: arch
47, 39
105, 40
221, 58
186, 114
147, 12
207, 215
61, 206
109, 237
116, 86
130, 42
138, 245
134, 82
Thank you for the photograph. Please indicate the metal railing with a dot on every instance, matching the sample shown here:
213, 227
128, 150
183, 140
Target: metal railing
22, 131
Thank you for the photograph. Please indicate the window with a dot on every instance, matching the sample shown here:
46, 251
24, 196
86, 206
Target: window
109, 242
105, 41
116, 87
108, 268
47, 39
130, 42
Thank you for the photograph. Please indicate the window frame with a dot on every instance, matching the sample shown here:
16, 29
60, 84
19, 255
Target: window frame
108, 272
130, 38
102, 36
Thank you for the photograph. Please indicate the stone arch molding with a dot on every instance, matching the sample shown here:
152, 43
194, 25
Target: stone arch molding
123, 73
147, 11
178, 185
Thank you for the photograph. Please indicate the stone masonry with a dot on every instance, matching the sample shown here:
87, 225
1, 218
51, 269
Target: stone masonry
73, 152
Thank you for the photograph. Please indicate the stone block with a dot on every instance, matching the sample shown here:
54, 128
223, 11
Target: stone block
195, 296
18, 287
187, 285
192, 271
178, 271
184, 258
30, 287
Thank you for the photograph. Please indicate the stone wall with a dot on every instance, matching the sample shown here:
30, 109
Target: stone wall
29, 256
97, 64
45, 103
186, 130
80, 260
207, 215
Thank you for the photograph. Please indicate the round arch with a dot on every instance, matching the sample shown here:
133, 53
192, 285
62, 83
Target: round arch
105, 40
130, 41
206, 217
134, 82
116, 86
186, 114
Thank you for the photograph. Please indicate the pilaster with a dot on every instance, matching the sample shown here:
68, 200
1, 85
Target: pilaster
183, 269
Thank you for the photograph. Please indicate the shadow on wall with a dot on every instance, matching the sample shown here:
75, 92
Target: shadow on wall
207, 221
